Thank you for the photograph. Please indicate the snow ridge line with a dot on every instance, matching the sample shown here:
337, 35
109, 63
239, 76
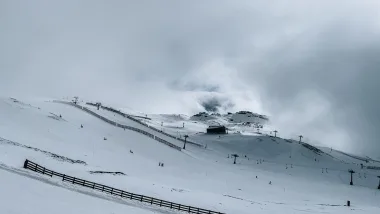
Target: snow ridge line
116, 192
120, 125
144, 124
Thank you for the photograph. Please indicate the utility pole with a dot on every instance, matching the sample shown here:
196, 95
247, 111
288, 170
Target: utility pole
352, 172
275, 133
184, 145
300, 138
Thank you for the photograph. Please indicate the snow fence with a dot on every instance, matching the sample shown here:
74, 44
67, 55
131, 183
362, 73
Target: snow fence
120, 125
116, 192
144, 124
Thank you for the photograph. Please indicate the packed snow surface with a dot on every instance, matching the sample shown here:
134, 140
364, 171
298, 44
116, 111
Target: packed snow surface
272, 175
25, 193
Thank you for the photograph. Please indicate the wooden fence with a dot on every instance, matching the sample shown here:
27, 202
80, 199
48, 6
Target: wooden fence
116, 192
122, 126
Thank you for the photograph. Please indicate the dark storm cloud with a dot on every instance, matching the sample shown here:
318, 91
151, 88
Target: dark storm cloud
310, 65
216, 104
211, 105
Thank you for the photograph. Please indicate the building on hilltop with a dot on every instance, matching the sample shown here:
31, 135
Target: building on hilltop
216, 130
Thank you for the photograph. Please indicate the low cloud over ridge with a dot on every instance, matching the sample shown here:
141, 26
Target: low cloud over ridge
312, 67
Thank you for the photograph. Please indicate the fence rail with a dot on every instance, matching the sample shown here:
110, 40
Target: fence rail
144, 124
120, 125
116, 192
373, 167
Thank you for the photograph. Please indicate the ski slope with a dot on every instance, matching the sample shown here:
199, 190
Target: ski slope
128, 122
201, 177
24, 193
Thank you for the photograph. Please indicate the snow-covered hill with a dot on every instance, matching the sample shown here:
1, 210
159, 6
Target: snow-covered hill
272, 175
27, 193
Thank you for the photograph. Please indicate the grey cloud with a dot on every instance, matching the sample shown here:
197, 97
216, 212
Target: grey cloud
313, 67
193, 86
340, 65
211, 105
216, 104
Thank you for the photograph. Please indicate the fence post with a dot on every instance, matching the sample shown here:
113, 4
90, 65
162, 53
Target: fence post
63, 177
141, 198
103, 188
112, 191
35, 167
160, 203
74, 179
93, 186
43, 171
151, 202
26, 164
171, 205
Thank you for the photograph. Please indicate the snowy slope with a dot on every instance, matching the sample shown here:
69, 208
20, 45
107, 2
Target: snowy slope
179, 125
196, 176
128, 122
244, 123
39, 195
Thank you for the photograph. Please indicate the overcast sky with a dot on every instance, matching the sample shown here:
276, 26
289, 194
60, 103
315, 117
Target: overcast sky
312, 66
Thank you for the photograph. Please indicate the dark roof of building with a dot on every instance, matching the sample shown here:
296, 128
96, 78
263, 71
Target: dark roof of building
215, 127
